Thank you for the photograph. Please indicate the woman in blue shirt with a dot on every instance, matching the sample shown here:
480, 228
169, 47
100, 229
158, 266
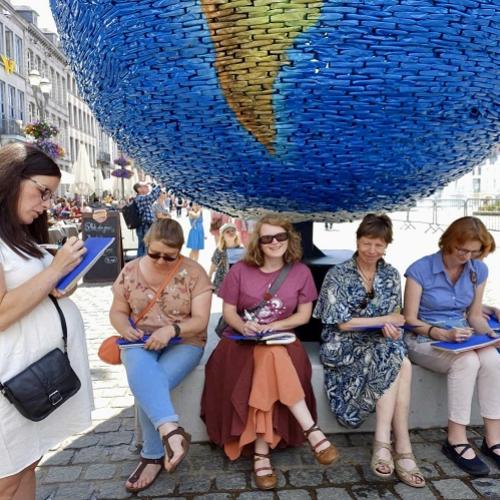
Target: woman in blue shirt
443, 296
365, 361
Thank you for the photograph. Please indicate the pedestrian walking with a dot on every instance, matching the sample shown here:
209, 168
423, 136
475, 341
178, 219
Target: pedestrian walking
144, 201
196, 236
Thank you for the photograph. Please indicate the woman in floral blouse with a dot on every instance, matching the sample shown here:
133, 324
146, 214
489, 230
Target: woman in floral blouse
363, 353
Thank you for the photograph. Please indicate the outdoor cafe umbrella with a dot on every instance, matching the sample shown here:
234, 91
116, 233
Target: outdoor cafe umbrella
84, 178
99, 182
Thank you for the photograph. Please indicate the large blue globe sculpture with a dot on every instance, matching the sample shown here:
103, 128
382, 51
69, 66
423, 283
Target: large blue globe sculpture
323, 109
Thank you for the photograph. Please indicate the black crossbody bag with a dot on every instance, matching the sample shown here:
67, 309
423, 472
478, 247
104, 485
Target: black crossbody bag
46, 384
222, 324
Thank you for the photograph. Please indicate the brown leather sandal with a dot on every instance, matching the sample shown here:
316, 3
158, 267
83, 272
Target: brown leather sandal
136, 475
268, 481
186, 441
326, 456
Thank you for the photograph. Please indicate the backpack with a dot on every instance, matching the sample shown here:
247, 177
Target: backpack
131, 215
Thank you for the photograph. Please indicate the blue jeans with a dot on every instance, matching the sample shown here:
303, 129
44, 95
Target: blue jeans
141, 231
151, 376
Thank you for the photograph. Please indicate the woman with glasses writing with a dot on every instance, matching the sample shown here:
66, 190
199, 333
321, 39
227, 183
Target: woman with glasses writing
30, 326
443, 298
363, 353
176, 293
258, 397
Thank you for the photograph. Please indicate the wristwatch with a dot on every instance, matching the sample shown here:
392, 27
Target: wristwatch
177, 329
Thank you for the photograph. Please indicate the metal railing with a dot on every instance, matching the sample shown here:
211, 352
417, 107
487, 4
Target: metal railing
437, 215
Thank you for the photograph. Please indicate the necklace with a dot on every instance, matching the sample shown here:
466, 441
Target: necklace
364, 277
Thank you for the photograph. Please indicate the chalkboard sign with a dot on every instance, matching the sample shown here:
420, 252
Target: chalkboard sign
105, 224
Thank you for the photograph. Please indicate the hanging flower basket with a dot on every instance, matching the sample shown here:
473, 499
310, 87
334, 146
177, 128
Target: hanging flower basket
40, 130
122, 162
122, 173
51, 148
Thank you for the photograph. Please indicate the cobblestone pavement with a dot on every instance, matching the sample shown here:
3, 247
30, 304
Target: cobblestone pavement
95, 464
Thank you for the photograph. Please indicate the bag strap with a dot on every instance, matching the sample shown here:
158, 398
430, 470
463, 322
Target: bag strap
275, 286
165, 282
63, 322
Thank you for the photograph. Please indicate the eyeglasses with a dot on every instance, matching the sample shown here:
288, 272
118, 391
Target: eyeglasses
368, 297
157, 256
45, 192
463, 252
268, 238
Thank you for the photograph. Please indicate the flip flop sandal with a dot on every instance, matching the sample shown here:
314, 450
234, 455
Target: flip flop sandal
378, 461
136, 475
186, 441
406, 475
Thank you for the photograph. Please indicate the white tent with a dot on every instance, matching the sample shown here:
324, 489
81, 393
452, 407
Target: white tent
67, 178
99, 182
82, 171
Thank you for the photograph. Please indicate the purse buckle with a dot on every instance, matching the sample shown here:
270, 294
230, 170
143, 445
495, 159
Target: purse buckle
55, 398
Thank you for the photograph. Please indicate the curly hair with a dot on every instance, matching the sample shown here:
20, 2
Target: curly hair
466, 229
254, 255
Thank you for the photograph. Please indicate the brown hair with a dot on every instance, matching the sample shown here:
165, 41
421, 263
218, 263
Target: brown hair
254, 255
493, 244
375, 226
166, 231
20, 161
463, 230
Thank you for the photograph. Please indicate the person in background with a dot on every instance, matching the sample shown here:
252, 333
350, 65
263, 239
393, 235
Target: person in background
196, 236
144, 200
217, 220
179, 203
366, 368
29, 322
443, 299
220, 260
259, 397
160, 207
177, 328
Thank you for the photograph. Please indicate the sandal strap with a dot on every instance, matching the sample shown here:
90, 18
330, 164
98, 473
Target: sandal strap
319, 444
265, 468
311, 429
404, 456
494, 447
466, 447
180, 430
143, 463
260, 456
379, 444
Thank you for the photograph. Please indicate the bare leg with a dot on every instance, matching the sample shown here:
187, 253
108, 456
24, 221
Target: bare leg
175, 442
301, 412
492, 433
194, 254
457, 434
20, 486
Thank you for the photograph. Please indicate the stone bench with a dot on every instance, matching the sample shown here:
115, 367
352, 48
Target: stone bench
428, 402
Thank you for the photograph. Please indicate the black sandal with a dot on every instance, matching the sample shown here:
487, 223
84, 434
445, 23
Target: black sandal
489, 451
473, 466
186, 441
136, 475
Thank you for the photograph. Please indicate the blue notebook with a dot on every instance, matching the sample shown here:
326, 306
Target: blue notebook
126, 344
95, 248
475, 342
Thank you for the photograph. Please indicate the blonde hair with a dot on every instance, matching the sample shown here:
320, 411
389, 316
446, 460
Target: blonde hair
254, 255
221, 244
463, 230
166, 231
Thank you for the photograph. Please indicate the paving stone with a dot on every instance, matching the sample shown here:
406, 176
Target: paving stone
115, 438
208, 461
231, 481
429, 470
111, 489
487, 487
305, 477
46, 491
128, 424
450, 469
453, 489
294, 495
213, 496
408, 493
339, 440
256, 495
433, 434
100, 471
332, 494
76, 491
62, 474
360, 439
109, 426
284, 459
60, 457
428, 451
84, 441
342, 474
369, 492
123, 452
355, 455
91, 455
194, 483
164, 485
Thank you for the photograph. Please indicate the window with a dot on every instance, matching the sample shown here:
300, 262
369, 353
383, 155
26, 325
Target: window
20, 109
30, 60
38, 65
70, 114
9, 44
31, 112
18, 55
476, 185
2, 100
1, 39
12, 103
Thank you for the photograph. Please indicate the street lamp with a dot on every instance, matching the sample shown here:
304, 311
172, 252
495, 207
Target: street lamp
41, 90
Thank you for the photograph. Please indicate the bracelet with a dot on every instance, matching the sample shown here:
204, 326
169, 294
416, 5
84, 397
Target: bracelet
429, 332
177, 329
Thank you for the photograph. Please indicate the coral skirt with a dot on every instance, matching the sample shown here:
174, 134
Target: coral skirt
248, 389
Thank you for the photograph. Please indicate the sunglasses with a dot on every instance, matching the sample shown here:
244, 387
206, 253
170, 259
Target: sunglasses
45, 192
157, 256
368, 297
268, 238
